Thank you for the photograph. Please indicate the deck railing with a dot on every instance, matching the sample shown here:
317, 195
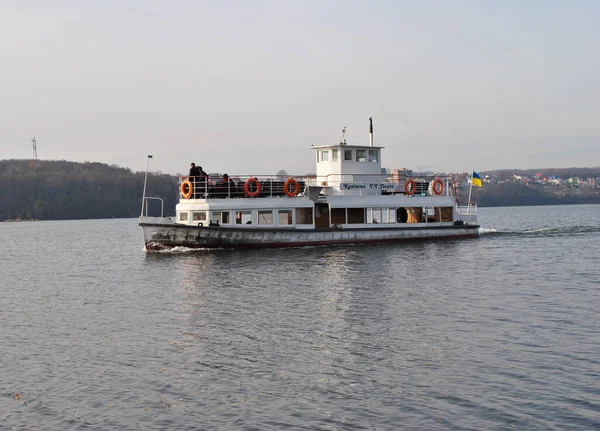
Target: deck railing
162, 205
215, 187
466, 209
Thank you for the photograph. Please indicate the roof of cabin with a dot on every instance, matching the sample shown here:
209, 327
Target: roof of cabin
362, 147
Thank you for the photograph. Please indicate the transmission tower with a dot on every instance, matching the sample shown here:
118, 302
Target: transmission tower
34, 148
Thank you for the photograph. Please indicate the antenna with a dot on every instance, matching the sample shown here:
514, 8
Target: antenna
34, 148
343, 138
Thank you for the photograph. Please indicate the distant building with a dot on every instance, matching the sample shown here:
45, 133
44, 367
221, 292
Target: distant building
400, 175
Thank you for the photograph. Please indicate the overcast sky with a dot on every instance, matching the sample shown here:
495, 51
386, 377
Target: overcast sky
246, 87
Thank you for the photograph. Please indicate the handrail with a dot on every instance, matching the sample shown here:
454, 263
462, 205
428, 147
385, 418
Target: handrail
162, 205
213, 186
466, 209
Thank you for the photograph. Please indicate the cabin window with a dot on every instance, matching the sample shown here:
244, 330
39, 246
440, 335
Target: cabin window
243, 217
199, 216
373, 156
265, 217
414, 215
220, 217
348, 155
361, 155
225, 217
325, 156
334, 155
373, 215
183, 216
378, 215
284, 217
338, 215
430, 214
391, 215
317, 153
304, 216
446, 214
356, 215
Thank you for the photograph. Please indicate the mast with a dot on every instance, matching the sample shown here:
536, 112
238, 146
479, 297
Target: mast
371, 131
145, 180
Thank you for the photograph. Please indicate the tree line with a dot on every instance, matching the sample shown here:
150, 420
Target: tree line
61, 190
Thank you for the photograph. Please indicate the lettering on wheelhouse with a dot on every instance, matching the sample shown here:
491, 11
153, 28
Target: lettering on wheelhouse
367, 186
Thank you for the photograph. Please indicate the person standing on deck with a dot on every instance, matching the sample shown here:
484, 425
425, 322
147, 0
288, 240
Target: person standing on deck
194, 174
194, 170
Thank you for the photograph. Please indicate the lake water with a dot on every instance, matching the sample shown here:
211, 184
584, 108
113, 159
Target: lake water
499, 332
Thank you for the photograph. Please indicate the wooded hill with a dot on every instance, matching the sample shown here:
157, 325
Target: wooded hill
61, 190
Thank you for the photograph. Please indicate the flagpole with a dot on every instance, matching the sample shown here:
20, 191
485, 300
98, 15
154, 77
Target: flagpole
145, 180
470, 190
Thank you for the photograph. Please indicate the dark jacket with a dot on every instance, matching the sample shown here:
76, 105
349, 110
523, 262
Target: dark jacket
194, 171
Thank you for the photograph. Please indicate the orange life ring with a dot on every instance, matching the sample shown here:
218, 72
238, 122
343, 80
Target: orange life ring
256, 183
286, 187
437, 187
410, 187
190, 189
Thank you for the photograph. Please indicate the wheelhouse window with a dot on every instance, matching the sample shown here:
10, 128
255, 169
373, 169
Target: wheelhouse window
356, 215
243, 217
325, 156
183, 216
334, 155
348, 155
361, 155
284, 217
304, 216
373, 156
265, 217
199, 216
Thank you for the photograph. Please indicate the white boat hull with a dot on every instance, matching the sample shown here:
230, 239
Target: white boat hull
162, 233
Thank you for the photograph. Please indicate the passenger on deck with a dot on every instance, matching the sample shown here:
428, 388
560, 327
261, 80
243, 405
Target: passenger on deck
194, 170
226, 187
202, 182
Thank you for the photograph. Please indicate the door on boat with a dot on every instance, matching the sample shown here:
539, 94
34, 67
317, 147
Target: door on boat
321, 215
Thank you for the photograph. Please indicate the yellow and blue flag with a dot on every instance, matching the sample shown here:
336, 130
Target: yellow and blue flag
476, 181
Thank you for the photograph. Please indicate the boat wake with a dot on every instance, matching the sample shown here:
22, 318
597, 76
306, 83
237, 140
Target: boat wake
179, 250
543, 232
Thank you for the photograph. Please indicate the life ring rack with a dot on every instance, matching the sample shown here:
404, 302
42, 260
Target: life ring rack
190, 189
252, 194
295, 184
410, 186
437, 187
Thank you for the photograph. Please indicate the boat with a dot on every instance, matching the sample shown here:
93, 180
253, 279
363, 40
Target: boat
350, 200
